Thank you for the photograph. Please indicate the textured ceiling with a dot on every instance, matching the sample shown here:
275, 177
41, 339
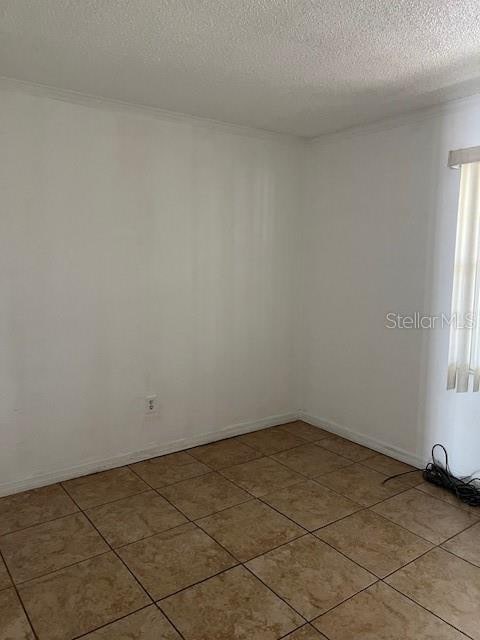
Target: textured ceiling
298, 66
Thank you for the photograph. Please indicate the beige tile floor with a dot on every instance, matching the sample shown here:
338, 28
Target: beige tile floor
286, 533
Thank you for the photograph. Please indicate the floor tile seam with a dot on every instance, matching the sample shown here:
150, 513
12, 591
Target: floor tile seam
307, 625
22, 583
455, 555
22, 604
343, 602
350, 463
252, 573
278, 546
308, 533
261, 453
114, 548
312, 478
317, 480
148, 489
158, 601
152, 535
119, 619
36, 524
274, 453
235, 564
366, 568
102, 504
376, 578
193, 520
403, 526
309, 621
234, 437
172, 484
426, 609
151, 487
157, 491
122, 561
432, 545
117, 555
362, 462
318, 443
449, 504
470, 526
180, 634
259, 498
329, 524
237, 484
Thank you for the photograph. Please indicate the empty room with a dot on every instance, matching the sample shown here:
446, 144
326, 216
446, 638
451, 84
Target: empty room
239, 320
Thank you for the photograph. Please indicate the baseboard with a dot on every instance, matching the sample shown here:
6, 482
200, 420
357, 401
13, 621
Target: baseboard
94, 466
229, 431
367, 441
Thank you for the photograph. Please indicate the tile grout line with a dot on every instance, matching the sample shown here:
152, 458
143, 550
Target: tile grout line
22, 604
31, 526
434, 546
428, 610
307, 625
174, 626
417, 534
229, 438
362, 508
252, 499
457, 556
219, 472
317, 479
242, 563
102, 626
123, 562
344, 601
198, 582
429, 495
239, 563
382, 580
212, 470
376, 578
152, 535
103, 504
152, 602
148, 489
67, 566
276, 594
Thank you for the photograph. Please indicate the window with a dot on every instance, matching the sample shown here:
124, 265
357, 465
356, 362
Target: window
464, 351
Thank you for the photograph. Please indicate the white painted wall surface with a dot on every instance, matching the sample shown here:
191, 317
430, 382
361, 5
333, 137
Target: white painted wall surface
379, 236
138, 255
146, 255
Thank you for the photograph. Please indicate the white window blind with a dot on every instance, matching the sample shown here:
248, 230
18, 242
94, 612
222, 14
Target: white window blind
464, 351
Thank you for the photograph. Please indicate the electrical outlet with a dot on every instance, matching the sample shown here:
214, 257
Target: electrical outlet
150, 404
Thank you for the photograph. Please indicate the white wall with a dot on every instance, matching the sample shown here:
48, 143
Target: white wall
379, 237
142, 254
138, 255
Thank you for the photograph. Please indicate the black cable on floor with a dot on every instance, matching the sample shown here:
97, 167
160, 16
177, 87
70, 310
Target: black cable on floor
466, 489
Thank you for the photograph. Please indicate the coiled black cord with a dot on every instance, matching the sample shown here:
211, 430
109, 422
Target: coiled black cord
466, 489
